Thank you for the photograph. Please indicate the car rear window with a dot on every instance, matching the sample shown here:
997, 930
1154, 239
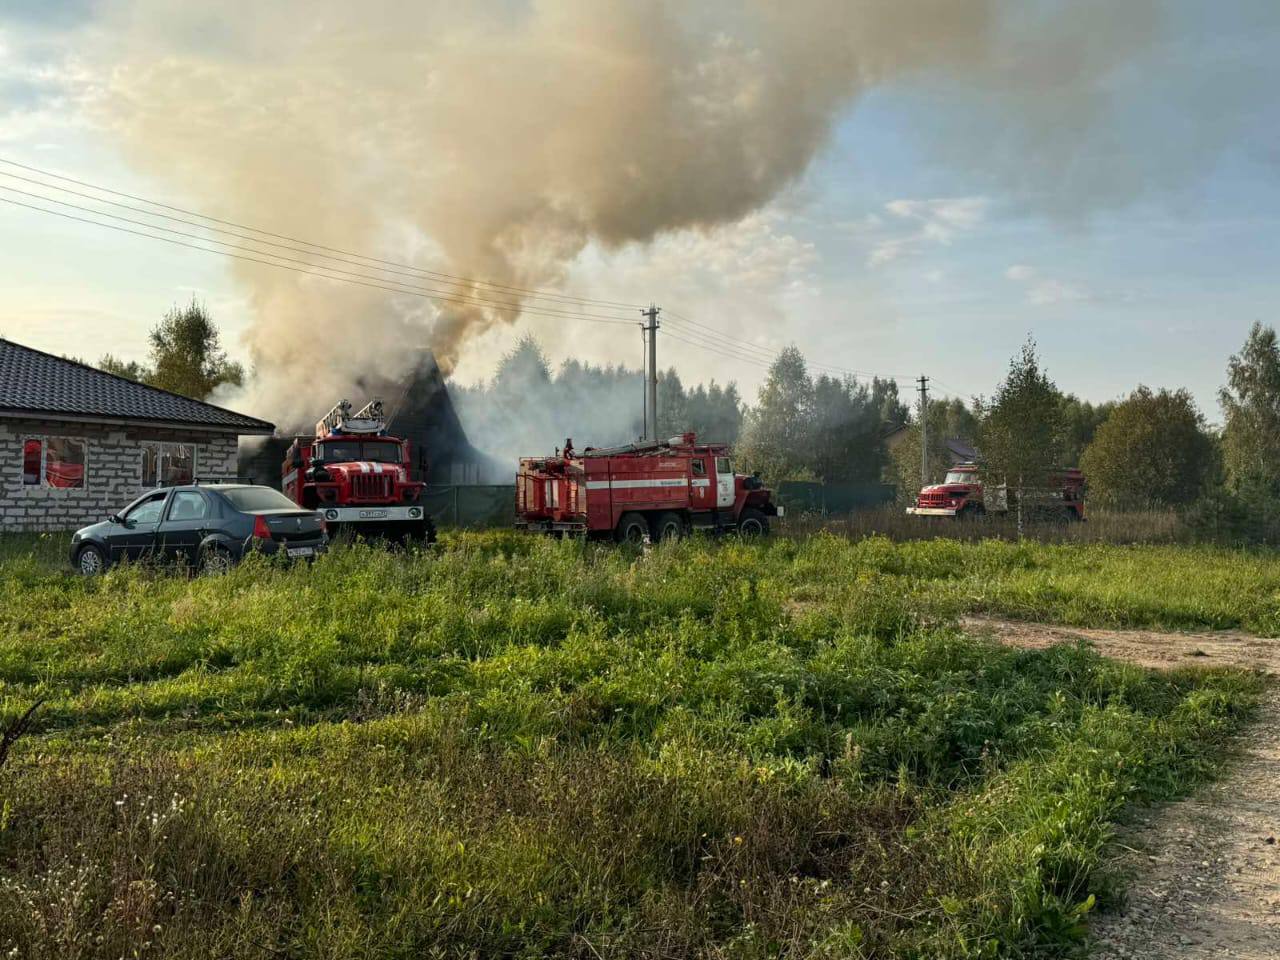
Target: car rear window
250, 499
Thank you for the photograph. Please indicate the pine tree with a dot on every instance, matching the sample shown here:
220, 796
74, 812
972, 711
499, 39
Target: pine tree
1020, 433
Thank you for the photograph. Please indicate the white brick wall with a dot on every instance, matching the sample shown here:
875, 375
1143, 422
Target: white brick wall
113, 471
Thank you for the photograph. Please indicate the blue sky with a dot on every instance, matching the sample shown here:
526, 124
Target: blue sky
1130, 223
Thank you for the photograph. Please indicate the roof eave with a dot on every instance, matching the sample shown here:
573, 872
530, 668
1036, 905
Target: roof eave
261, 429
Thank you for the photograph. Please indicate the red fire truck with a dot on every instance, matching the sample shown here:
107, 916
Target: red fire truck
961, 496
357, 476
659, 489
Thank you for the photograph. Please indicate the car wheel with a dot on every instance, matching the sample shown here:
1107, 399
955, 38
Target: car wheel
668, 526
91, 561
215, 561
632, 528
753, 523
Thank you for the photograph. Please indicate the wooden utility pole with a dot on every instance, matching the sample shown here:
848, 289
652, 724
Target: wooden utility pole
924, 429
651, 394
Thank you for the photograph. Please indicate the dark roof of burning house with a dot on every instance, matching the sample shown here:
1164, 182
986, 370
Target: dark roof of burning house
420, 410
39, 385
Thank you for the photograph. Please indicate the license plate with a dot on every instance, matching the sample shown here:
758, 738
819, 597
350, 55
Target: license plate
300, 551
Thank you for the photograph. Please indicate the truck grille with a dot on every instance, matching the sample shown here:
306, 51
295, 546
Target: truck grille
936, 499
371, 486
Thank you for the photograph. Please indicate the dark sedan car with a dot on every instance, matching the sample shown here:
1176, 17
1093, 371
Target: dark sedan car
206, 526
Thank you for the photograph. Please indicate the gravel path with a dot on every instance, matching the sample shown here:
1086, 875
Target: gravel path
1205, 872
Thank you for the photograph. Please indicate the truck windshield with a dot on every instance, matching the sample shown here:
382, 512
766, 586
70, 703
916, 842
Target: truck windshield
345, 451
961, 476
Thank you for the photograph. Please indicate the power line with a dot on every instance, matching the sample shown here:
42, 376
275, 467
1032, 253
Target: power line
763, 356
456, 296
763, 364
405, 289
770, 355
454, 278
695, 332
415, 273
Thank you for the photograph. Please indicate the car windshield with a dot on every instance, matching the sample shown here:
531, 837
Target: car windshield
254, 499
960, 476
346, 451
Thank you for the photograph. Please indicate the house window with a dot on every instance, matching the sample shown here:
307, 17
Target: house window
54, 462
166, 464
32, 461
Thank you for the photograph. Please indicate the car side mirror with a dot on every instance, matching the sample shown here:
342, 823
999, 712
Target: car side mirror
114, 518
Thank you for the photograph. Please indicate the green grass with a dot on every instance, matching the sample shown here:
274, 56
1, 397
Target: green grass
520, 747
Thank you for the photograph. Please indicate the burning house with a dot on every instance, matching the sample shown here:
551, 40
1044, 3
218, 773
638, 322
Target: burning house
420, 410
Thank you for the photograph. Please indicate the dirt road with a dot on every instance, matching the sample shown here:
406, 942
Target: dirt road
1206, 870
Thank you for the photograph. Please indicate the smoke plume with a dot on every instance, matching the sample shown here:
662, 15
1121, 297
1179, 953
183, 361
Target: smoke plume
499, 138
490, 139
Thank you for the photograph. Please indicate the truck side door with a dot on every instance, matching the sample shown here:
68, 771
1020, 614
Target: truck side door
725, 492
700, 490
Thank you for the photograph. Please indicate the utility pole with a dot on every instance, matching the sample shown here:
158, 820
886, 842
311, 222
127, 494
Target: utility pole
651, 396
924, 429
644, 384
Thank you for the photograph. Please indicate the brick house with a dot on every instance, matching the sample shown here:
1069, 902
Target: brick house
77, 444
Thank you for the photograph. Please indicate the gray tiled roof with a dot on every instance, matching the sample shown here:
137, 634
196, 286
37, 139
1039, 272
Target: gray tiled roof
39, 384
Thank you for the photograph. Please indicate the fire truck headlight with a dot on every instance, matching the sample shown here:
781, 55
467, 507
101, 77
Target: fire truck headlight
415, 513
331, 514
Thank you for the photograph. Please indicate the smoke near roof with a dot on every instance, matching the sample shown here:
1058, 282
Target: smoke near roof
498, 138
490, 139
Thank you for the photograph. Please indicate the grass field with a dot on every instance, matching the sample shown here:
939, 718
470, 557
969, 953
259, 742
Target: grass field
521, 747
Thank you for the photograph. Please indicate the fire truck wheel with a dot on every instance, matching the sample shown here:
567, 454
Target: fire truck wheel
974, 511
632, 528
425, 532
668, 526
753, 523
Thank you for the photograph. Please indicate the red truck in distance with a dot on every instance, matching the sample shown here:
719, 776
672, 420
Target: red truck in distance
357, 476
660, 490
961, 496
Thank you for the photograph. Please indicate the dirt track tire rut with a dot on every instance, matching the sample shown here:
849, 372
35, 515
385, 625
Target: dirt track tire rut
1203, 873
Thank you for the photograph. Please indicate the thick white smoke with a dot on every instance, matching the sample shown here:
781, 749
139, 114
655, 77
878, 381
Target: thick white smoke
487, 139
497, 138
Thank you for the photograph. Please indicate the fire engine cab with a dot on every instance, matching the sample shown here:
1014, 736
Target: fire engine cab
660, 490
357, 476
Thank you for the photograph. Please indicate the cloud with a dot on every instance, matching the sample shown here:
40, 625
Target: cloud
939, 220
1042, 291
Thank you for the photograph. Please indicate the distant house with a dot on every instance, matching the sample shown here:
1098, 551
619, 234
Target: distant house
77, 444
958, 451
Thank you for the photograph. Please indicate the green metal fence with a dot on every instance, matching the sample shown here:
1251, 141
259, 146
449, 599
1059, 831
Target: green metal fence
825, 499
458, 505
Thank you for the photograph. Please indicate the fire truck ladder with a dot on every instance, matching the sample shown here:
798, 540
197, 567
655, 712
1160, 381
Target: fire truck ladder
368, 419
646, 446
370, 411
332, 420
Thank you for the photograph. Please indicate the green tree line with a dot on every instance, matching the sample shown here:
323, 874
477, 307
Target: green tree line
1150, 449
